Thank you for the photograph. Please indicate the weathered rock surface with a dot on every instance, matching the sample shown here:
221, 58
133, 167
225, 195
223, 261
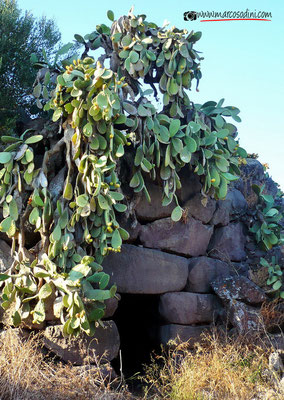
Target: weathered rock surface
238, 288
253, 174
83, 348
146, 271
190, 185
5, 257
276, 362
111, 306
198, 211
185, 333
246, 319
190, 238
222, 214
228, 243
146, 211
188, 308
130, 224
204, 270
238, 204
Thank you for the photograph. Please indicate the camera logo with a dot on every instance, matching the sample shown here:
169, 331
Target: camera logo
190, 16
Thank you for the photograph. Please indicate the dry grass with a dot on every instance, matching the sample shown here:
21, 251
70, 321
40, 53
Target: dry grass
26, 373
218, 369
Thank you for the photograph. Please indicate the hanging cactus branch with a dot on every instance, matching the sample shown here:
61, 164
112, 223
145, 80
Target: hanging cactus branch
64, 187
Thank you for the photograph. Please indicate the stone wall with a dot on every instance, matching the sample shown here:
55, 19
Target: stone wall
202, 268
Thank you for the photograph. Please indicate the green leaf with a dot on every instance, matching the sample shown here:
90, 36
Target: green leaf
39, 312
143, 112
222, 164
16, 319
134, 56
177, 144
270, 213
37, 90
38, 201
88, 129
9, 139
3, 277
230, 177
277, 285
194, 127
165, 172
98, 294
174, 126
267, 197
110, 15
102, 100
13, 209
29, 155
185, 155
45, 291
222, 133
117, 196
223, 189
57, 114
5, 157
176, 214
103, 203
79, 38
120, 150
6, 224
126, 40
219, 121
129, 108
242, 152
123, 233
116, 240
150, 55
82, 200
34, 139
104, 281
191, 144
79, 271
138, 156
34, 215
120, 207
63, 220
40, 272
96, 314
56, 234
134, 180
68, 191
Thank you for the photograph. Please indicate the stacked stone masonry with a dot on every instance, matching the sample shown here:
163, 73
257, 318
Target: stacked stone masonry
199, 267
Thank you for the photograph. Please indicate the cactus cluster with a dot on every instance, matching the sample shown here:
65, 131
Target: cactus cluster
105, 118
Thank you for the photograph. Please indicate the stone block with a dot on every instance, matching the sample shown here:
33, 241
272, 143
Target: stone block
198, 211
238, 288
204, 270
228, 243
189, 237
83, 349
139, 270
183, 333
188, 308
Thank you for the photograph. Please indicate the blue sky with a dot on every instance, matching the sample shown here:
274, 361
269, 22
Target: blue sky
243, 59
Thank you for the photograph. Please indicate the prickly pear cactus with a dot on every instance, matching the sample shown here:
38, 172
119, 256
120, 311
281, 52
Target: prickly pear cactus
65, 185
